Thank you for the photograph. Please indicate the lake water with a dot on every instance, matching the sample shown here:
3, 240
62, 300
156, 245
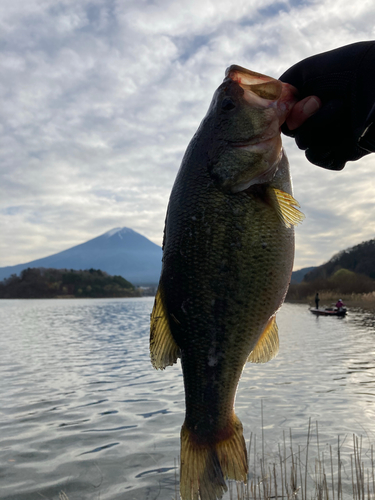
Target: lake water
83, 412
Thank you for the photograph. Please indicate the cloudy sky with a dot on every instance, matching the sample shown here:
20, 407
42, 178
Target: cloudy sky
99, 99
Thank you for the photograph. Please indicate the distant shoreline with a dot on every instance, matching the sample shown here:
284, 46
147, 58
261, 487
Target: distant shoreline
364, 301
41, 283
78, 298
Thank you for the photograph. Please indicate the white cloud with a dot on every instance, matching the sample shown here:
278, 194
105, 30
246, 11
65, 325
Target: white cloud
100, 99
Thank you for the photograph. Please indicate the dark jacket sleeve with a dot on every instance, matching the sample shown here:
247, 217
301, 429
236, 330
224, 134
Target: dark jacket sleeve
344, 128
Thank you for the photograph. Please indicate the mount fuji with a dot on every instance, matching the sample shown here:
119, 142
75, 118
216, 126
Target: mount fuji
120, 251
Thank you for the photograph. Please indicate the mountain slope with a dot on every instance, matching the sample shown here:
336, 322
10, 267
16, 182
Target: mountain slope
120, 251
360, 259
297, 276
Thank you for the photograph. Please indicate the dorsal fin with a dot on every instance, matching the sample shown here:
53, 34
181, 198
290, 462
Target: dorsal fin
285, 206
163, 349
267, 346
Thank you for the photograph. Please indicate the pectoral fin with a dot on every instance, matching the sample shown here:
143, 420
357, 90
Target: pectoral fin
267, 346
285, 206
163, 349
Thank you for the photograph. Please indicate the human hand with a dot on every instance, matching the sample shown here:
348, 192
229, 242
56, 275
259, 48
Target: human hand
333, 120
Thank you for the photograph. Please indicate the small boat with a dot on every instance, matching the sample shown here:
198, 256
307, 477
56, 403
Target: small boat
329, 311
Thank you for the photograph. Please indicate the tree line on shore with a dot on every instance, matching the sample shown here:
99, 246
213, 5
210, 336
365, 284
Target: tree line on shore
94, 283
342, 282
60, 283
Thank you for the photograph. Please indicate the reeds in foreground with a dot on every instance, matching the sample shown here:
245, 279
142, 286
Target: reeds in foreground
308, 473
303, 472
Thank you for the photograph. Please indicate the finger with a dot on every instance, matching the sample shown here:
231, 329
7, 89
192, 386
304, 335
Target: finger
302, 110
324, 128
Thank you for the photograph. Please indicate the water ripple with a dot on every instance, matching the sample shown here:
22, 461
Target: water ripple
82, 410
100, 448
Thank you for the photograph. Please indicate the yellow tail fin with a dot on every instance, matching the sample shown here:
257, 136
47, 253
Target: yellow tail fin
206, 465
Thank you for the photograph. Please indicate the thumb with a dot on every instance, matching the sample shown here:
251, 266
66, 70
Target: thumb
302, 110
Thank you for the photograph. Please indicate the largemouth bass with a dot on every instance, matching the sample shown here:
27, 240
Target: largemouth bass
227, 259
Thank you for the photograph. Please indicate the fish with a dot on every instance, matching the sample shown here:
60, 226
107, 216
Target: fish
228, 251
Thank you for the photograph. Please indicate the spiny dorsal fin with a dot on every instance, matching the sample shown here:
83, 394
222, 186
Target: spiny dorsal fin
285, 206
163, 349
267, 346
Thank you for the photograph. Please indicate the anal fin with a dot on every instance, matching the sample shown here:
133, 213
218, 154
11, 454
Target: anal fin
267, 346
163, 348
285, 206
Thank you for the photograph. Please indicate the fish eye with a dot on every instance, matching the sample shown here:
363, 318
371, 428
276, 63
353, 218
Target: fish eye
227, 104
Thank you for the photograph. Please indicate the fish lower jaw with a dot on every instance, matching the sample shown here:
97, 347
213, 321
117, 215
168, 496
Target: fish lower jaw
258, 144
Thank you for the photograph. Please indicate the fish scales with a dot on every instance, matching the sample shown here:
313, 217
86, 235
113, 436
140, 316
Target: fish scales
227, 258
205, 269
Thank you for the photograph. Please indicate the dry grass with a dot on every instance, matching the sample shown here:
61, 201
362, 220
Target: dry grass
305, 472
361, 300
327, 298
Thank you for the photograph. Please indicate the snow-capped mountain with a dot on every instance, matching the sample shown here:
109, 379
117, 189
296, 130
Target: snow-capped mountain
120, 251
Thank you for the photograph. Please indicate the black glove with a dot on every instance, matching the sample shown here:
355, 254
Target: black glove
343, 129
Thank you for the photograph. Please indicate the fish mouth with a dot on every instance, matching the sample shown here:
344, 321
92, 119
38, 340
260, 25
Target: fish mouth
263, 86
262, 91
272, 99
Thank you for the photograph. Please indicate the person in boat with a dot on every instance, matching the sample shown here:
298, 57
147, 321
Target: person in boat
339, 305
317, 300
334, 120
